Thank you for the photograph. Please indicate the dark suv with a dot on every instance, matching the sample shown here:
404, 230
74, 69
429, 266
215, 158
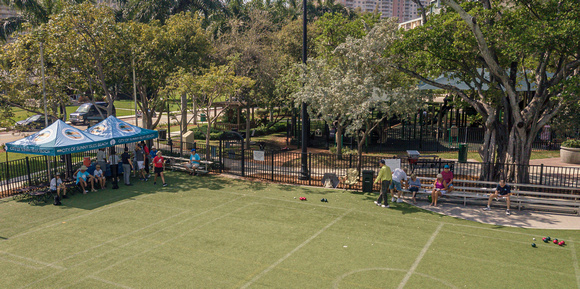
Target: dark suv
34, 122
88, 111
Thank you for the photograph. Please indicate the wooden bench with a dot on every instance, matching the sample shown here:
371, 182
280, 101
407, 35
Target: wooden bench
177, 163
522, 195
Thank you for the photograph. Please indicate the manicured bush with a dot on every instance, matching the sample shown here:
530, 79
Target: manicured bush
571, 143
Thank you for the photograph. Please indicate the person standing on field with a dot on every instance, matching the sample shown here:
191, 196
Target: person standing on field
127, 165
384, 178
158, 170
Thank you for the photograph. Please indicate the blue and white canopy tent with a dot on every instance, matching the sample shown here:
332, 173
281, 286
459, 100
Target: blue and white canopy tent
120, 132
58, 139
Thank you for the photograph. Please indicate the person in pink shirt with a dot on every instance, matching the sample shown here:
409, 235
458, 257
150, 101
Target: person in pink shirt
448, 177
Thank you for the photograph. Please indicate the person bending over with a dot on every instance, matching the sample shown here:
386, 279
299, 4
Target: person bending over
399, 177
502, 191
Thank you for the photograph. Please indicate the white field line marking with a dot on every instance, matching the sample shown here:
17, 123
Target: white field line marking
21, 264
119, 237
293, 251
109, 282
418, 260
340, 278
33, 260
133, 241
76, 217
165, 242
575, 259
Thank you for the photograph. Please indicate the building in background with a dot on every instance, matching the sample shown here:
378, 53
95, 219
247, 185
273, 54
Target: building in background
403, 10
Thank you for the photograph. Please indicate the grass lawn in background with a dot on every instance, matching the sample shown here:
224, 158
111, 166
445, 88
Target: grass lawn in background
217, 232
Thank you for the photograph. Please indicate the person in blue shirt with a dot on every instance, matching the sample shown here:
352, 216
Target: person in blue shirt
83, 178
193, 163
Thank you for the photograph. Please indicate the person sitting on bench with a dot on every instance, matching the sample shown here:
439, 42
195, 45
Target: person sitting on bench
83, 177
448, 177
56, 188
193, 163
414, 186
439, 189
503, 190
100, 177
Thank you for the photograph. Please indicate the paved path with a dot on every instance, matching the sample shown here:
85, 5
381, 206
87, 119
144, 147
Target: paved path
521, 219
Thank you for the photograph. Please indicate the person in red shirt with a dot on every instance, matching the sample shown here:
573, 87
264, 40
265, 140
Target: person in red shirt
158, 165
448, 178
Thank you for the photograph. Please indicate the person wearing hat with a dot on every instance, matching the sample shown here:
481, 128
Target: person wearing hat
158, 165
448, 177
83, 178
193, 163
384, 178
56, 188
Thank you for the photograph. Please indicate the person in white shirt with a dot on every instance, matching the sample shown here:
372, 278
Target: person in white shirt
100, 176
114, 162
56, 188
102, 158
399, 176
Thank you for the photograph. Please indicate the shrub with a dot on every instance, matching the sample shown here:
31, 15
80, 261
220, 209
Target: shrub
345, 151
571, 143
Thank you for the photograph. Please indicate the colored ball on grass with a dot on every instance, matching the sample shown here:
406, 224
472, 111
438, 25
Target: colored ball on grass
322, 200
534, 239
534, 245
555, 241
562, 243
545, 240
548, 238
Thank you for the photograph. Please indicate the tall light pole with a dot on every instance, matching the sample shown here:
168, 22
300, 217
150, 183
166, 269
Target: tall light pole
135, 93
304, 174
44, 99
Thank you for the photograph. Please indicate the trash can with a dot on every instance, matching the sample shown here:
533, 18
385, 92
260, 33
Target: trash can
202, 117
367, 181
462, 153
162, 134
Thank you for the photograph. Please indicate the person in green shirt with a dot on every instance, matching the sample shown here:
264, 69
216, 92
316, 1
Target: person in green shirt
384, 178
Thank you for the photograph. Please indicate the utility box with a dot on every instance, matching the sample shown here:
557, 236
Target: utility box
189, 139
462, 158
162, 134
367, 181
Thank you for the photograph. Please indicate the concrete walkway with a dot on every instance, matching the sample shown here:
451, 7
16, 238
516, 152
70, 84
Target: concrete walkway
521, 219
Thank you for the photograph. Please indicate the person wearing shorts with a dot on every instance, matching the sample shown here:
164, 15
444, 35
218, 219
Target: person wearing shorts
193, 163
56, 187
83, 178
140, 158
100, 177
399, 176
158, 168
448, 177
384, 178
414, 186
502, 191
439, 189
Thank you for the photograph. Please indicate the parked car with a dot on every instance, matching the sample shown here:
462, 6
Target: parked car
88, 111
34, 122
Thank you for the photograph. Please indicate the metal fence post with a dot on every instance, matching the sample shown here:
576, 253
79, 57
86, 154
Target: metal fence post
309, 169
350, 161
243, 159
28, 172
272, 152
541, 173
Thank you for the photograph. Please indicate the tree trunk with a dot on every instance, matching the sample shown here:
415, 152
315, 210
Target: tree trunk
207, 135
338, 139
183, 113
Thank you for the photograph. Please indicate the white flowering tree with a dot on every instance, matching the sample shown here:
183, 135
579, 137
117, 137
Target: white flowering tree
356, 87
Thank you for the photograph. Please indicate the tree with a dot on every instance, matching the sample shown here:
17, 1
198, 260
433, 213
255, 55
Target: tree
356, 88
86, 40
216, 84
520, 59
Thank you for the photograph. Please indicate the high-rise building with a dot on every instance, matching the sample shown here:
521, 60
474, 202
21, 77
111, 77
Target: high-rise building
404, 10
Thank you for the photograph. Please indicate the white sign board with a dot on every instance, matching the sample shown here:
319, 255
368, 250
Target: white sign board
259, 155
393, 163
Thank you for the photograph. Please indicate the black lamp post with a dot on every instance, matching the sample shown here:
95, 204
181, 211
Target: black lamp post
304, 175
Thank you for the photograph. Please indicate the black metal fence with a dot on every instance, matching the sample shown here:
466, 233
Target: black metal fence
284, 167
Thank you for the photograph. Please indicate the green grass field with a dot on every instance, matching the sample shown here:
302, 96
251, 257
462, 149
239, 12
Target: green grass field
216, 232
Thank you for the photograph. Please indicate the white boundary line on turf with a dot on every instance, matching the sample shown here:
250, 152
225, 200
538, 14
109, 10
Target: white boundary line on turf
77, 217
421, 255
340, 278
109, 282
575, 259
164, 242
249, 283
32, 260
138, 239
